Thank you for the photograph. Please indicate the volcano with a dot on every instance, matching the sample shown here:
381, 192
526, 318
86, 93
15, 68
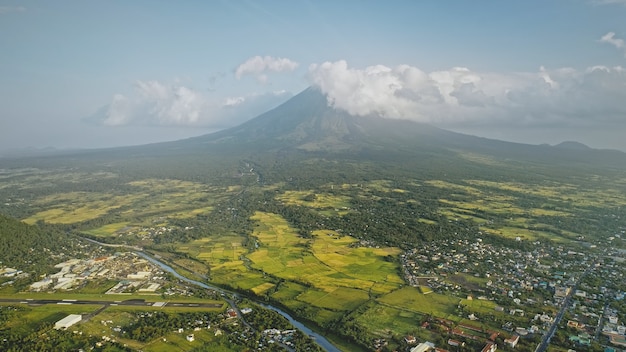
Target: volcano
307, 123
308, 127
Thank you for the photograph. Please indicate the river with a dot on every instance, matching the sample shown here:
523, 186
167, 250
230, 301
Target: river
319, 339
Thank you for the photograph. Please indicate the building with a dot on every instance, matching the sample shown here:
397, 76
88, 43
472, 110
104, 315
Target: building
490, 347
410, 339
512, 342
456, 343
68, 321
423, 347
190, 338
561, 292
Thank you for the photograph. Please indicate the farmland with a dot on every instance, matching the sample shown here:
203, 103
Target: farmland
313, 250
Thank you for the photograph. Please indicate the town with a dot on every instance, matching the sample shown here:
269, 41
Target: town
527, 288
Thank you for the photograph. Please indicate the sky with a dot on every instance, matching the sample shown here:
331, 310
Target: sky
88, 74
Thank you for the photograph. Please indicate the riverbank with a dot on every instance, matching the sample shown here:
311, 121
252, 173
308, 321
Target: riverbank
319, 339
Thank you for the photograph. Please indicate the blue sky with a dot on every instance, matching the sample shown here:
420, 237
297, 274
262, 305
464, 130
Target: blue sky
77, 74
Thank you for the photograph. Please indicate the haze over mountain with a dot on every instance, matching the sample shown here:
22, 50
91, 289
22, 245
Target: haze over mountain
306, 122
307, 128
511, 71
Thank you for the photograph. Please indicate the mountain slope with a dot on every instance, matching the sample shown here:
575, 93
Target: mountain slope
307, 123
305, 126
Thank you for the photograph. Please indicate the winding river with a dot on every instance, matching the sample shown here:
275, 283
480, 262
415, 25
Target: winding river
319, 339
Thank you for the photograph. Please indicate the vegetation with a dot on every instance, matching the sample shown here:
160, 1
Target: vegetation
318, 232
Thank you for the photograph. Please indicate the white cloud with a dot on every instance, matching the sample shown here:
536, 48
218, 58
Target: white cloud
616, 42
9, 9
258, 66
154, 103
461, 97
609, 2
234, 101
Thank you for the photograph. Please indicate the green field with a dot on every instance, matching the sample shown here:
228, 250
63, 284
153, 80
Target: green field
317, 200
326, 261
154, 198
34, 318
412, 300
244, 243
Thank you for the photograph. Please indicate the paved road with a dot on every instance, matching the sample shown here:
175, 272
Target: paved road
129, 302
543, 345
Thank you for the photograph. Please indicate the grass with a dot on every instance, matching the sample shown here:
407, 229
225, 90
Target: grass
262, 288
483, 201
34, 317
108, 230
223, 259
154, 198
325, 262
288, 291
174, 341
381, 319
339, 299
318, 200
410, 299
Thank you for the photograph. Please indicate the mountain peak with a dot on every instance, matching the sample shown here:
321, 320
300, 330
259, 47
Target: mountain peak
307, 122
572, 145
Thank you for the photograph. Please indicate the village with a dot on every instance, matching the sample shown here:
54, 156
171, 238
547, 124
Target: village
528, 287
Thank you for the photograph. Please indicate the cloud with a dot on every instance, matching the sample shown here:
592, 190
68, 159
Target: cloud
609, 2
616, 42
258, 66
461, 97
154, 103
9, 9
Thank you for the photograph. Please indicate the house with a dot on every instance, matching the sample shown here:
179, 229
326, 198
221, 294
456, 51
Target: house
410, 339
572, 324
68, 321
231, 313
512, 342
455, 343
190, 338
490, 347
561, 292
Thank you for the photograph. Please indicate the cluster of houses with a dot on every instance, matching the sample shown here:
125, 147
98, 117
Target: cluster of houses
505, 270
489, 346
544, 275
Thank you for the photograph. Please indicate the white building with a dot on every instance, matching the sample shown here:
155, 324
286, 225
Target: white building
423, 347
68, 321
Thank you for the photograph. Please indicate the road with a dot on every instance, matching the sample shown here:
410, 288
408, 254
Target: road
129, 302
546, 338
229, 297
